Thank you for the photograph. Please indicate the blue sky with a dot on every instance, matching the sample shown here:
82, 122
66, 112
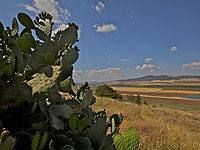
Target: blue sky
122, 39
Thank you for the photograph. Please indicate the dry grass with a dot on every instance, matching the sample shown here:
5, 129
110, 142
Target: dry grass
135, 89
160, 128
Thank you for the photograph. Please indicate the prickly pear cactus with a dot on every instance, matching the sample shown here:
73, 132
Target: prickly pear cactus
32, 75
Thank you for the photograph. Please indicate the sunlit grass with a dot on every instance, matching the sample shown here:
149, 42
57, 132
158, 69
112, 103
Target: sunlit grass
161, 126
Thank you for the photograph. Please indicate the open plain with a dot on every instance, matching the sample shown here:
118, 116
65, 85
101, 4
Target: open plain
162, 92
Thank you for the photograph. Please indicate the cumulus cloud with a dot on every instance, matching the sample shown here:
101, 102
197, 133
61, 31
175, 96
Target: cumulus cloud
193, 65
173, 48
99, 7
60, 15
123, 59
130, 69
98, 75
148, 59
105, 28
147, 67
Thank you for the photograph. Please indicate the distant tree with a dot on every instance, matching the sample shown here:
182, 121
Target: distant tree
106, 91
135, 99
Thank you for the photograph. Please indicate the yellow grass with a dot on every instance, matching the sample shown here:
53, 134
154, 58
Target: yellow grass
160, 128
135, 89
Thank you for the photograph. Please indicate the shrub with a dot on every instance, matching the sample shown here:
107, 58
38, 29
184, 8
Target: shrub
135, 99
106, 91
33, 114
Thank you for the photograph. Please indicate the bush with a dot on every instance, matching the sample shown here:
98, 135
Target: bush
135, 99
106, 91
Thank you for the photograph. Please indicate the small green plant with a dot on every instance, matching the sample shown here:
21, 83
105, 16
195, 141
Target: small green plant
106, 91
130, 141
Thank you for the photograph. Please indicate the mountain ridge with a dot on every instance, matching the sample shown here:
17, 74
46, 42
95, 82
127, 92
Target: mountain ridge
159, 77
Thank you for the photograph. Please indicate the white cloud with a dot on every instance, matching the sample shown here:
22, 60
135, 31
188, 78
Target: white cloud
60, 15
148, 59
98, 75
147, 67
100, 6
173, 48
105, 28
193, 65
123, 59
30, 8
130, 69
60, 27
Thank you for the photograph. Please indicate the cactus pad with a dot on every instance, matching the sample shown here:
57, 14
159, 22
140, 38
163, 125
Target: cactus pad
25, 20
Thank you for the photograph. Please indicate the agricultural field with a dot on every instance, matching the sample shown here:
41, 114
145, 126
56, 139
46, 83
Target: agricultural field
185, 93
160, 126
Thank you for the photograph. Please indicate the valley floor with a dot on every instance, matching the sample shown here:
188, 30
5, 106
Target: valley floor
157, 95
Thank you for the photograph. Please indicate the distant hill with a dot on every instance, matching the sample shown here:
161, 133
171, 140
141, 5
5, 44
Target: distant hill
161, 78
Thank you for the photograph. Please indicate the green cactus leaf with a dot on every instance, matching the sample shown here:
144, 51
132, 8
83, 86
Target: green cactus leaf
67, 147
25, 20
25, 30
2, 66
130, 141
55, 98
5, 35
15, 27
84, 143
87, 99
8, 144
57, 123
46, 82
35, 141
9, 70
69, 57
67, 36
23, 44
37, 60
97, 133
63, 111
119, 142
65, 86
43, 141
30, 39
73, 121
60, 140
49, 58
44, 26
1, 30
117, 119
41, 35
82, 124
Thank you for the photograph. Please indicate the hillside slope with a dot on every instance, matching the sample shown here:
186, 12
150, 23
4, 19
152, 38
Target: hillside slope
160, 127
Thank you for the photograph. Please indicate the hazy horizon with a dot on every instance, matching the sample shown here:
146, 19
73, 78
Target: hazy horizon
124, 39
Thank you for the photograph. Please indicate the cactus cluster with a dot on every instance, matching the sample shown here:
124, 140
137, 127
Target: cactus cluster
33, 72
